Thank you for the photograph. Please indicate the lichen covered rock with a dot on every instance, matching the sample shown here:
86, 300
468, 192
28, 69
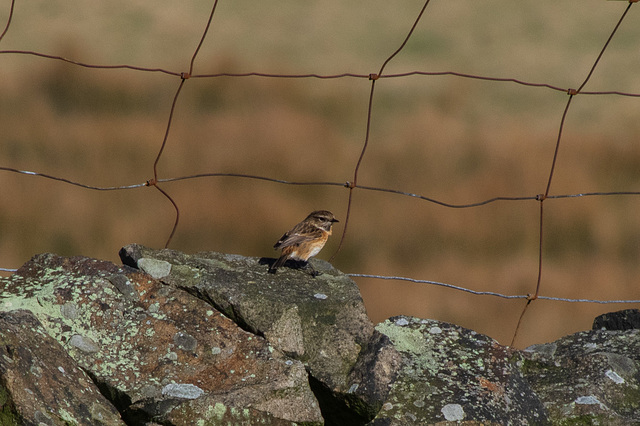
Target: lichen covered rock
591, 377
211, 338
154, 351
320, 321
40, 383
447, 373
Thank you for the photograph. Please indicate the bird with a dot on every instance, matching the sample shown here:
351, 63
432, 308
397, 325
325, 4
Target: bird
305, 240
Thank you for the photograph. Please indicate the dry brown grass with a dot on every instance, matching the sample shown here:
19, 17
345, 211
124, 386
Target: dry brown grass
455, 140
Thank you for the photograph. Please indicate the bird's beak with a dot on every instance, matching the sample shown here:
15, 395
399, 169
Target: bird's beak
335, 220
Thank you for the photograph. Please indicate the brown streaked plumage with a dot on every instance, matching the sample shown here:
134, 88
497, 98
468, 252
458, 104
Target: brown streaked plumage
305, 240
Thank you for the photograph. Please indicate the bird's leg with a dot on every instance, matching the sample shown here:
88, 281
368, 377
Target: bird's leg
312, 271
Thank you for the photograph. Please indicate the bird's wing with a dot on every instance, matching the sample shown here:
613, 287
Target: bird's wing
291, 239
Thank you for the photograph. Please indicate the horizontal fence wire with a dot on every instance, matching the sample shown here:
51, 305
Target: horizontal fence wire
322, 76
323, 183
486, 293
160, 183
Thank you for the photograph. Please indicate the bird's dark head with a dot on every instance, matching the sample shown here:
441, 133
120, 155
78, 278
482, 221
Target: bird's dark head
323, 218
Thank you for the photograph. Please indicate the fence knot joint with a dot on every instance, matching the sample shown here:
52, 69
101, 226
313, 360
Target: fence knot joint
573, 92
349, 185
151, 182
541, 197
373, 76
185, 75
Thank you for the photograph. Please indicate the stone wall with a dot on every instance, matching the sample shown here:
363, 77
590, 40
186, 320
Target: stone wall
206, 339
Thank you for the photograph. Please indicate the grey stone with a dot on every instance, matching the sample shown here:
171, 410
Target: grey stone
182, 390
84, 344
124, 286
156, 268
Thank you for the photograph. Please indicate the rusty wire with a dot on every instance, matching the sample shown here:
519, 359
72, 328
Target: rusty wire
317, 76
373, 77
572, 93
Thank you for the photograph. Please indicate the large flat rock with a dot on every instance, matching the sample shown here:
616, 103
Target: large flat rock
320, 321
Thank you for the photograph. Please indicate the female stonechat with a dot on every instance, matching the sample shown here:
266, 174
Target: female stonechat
305, 240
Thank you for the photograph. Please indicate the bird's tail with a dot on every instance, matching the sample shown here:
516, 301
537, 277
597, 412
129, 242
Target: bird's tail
278, 263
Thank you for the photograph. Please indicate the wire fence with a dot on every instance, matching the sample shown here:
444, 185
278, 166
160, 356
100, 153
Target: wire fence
354, 185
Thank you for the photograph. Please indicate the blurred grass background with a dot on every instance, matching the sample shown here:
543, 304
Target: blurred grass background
453, 139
